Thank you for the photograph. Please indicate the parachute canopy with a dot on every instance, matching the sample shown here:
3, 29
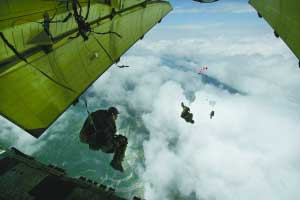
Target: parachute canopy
212, 103
202, 69
284, 17
44, 67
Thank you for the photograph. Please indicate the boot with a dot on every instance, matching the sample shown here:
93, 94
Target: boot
117, 165
120, 148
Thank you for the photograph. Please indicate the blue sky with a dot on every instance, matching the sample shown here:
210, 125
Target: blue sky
226, 18
229, 17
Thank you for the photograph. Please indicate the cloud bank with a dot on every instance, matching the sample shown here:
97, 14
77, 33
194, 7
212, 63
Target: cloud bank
249, 150
11, 135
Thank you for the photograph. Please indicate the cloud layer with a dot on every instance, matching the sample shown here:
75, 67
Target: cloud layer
249, 150
11, 135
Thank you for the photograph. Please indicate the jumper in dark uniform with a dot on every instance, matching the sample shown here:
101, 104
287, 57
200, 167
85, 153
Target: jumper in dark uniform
186, 115
99, 132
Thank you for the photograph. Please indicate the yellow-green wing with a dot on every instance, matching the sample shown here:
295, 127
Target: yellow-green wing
284, 17
34, 95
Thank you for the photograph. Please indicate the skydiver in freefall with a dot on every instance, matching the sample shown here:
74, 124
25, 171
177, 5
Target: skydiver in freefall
186, 115
212, 114
123, 66
99, 132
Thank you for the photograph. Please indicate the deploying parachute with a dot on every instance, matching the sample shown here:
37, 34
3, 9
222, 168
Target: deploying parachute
52, 51
202, 69
212, 103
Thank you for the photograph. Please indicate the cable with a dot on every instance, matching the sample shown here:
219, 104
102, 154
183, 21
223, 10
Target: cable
89, 114
99, 43
12, 48
109, 32
88, 9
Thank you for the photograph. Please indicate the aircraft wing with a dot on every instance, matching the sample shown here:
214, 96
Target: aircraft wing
35, 93
284, 17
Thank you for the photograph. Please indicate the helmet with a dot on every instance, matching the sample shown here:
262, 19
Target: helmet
113, 110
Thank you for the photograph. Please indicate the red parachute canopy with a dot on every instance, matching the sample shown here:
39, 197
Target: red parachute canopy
202, 69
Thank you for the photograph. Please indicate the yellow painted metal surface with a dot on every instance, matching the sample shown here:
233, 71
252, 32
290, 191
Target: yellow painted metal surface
284, 17
32, 100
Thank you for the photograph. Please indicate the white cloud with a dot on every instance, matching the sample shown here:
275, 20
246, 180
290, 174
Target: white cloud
249, 150
13, 136
240, 154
